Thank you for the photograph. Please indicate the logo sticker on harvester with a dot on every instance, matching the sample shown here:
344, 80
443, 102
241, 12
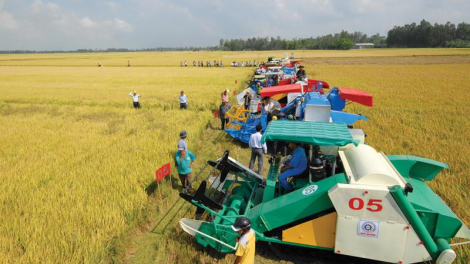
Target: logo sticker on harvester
368, 228
310, 189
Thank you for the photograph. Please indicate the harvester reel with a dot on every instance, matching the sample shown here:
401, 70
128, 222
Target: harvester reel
201, 198
224, 166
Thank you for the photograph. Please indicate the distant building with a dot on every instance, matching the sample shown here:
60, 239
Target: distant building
363, 45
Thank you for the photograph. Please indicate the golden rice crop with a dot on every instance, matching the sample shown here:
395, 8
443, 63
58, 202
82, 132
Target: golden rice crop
77, 162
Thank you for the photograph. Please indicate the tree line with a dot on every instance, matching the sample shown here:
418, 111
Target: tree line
426, 35
339, 41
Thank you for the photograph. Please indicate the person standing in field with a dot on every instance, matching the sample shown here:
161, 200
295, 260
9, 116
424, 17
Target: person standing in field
224, 95
247, 99
223, 109
181, 63
185, 160
182, 141
185, 63
183, 101
135, 98
246, 243
257, 149
128, 64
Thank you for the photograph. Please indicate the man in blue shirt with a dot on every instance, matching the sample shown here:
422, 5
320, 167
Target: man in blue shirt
297, 165
185, 160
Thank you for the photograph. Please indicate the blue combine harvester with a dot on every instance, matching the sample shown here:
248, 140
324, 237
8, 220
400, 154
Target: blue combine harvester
300, 105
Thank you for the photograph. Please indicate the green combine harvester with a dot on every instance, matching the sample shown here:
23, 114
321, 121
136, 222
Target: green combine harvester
351, 199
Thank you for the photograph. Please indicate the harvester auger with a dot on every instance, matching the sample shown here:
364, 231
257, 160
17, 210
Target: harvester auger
351, 200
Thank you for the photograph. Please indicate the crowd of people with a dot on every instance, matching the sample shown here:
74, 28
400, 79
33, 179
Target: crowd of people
214, 63
219, 63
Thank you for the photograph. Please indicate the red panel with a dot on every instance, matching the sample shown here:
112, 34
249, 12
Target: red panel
325, 85
291, 88
358, 96
285, 82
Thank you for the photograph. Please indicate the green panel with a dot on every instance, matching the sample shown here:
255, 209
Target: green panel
313, 133
429, 220
270, 183
417, 167
414, 220
222, 233
447, 223
293, 206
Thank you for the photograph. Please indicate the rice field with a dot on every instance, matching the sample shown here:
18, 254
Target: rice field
77, 162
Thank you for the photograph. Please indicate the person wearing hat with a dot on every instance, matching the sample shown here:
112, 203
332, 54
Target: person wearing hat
135, 98
224, 95
246, 243
272, 106
185, 160
182, 141
247, 99
183, 101
258, 88
301, 75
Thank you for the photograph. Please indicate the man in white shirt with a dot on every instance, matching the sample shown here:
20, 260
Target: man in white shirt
257, 149
135, 98
183, 101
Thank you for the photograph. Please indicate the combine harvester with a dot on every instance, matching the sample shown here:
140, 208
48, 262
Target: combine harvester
351, 200
301, 100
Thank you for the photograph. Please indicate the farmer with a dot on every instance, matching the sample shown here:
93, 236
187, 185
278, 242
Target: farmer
272, 106
183, 101
246, 243
135, 98
247, 99
185, 160
259, 88
182, 141
223, 109
257, 149
301, 75
128, 64
224, 95
297, 165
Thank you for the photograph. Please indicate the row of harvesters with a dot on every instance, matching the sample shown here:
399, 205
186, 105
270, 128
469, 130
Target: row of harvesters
350, 199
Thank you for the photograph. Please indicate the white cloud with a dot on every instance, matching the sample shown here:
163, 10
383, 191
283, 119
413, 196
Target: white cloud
87, 22
122, 25
7, 21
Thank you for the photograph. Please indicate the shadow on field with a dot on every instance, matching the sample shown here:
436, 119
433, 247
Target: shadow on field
175, 184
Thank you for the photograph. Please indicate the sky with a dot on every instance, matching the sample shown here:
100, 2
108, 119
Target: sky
136, 24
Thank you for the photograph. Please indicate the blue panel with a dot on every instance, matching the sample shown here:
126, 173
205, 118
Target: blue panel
347, 118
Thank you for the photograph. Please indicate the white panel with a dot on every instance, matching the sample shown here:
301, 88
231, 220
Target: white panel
364, 165
319, 113
389, 240
387, 246
292, 96
415, 251
342, 194
358, 134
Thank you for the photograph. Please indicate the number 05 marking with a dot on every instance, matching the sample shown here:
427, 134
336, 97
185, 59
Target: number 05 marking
373, 205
